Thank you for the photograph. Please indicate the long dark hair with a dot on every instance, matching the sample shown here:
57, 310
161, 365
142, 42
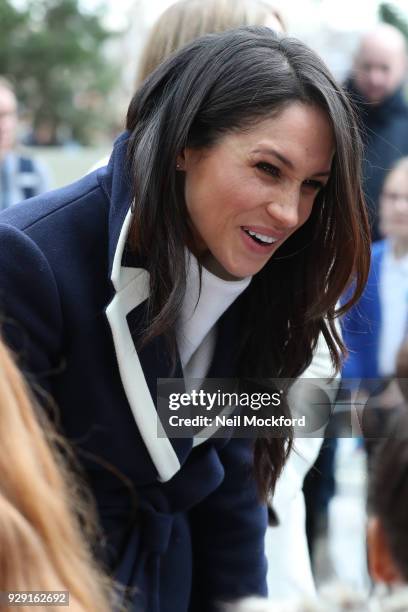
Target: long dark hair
215, 85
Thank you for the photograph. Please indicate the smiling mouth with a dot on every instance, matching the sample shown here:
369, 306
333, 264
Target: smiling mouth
260, 238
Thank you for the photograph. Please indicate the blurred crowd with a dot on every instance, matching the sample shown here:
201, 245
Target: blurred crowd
375, 332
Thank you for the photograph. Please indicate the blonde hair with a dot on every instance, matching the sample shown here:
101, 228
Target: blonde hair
41, 543
186, 20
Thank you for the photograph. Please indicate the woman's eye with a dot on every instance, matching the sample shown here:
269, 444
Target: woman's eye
268, 169
315, 185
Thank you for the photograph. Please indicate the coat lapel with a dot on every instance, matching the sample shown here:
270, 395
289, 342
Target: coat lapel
139, 370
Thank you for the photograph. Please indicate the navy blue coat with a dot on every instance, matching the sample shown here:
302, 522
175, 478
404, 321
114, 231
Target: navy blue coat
182, 525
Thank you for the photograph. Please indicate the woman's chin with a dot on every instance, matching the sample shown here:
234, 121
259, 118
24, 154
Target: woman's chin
228, 271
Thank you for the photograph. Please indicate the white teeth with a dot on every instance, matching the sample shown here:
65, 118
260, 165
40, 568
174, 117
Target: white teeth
267, 239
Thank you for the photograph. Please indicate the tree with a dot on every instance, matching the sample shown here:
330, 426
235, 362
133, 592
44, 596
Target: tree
55, 54
390, 14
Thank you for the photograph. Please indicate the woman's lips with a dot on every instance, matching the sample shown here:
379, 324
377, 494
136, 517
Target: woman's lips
264, 231
255, 244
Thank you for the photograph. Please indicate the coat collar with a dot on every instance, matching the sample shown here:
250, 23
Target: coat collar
116, 182
138, 370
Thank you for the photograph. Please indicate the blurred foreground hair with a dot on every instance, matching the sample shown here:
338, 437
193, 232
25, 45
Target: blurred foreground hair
42, 518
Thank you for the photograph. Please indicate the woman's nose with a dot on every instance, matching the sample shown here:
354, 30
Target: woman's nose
284, 212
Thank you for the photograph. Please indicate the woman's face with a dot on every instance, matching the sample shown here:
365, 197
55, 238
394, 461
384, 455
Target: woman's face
394, 205
254, 188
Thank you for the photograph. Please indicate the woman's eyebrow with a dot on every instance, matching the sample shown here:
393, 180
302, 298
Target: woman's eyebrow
287, 161
276, 153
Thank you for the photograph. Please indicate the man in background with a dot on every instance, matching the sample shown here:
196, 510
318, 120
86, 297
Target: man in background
376, 86
20, 176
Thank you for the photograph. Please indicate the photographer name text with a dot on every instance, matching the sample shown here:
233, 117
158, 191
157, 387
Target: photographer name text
236, 421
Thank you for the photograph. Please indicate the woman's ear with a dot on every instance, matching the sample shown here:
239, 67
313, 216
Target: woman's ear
181, 161
381, 564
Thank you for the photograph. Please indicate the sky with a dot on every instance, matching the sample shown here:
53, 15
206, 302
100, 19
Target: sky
117, 10
355, 14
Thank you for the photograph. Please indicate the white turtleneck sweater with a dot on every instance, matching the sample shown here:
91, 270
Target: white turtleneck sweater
200, 312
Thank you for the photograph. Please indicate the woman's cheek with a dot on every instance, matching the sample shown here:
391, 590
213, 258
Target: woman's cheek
306, 210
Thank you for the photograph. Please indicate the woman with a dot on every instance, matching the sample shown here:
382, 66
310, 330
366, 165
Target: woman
238, 145
178, 25
41, 513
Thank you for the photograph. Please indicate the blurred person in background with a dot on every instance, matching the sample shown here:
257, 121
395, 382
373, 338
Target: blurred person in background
186, 20
387, 534
44, 512
376, 327
387, 538
21, 177
376, 86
